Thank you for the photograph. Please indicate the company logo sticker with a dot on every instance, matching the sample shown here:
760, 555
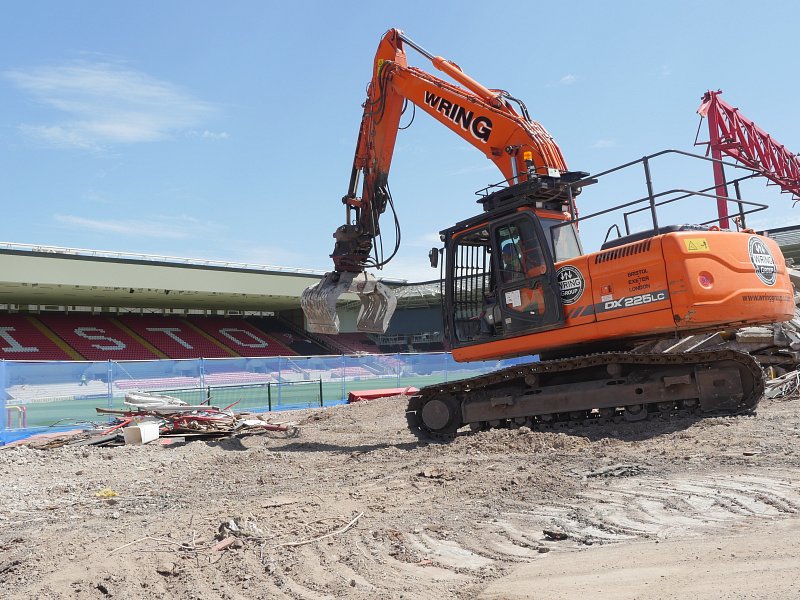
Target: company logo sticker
480, 127
570, 284
763, 261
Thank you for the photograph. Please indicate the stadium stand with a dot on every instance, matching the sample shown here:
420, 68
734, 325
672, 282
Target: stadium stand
97, 338
77, 336
176, 383
242, 337
393, 348
156, 383
431, 347
20, 339
290, 336
352, 371
410, 342
382, 364
351, 343
175, 337
238, 378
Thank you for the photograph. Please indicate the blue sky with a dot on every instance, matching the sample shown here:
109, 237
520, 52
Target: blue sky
227, 132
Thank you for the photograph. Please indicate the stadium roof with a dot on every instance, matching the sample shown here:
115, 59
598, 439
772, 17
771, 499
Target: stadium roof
50, 277
788, 238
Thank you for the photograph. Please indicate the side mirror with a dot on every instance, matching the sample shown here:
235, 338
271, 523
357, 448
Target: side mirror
433, 256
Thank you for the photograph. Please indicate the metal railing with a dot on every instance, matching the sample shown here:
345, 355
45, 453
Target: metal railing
652, 201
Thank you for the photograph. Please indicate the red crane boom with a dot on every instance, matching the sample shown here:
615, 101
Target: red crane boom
734, 135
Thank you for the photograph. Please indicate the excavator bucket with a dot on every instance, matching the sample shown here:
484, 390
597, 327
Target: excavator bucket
378, 302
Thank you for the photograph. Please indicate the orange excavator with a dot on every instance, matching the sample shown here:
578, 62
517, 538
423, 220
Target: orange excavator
517, 283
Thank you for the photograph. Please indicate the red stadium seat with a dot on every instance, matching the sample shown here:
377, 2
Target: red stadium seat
241, 337
352, 343
96, 338
174, 336
21, 340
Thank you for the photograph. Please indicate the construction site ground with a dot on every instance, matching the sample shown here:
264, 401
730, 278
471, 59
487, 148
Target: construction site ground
356, 507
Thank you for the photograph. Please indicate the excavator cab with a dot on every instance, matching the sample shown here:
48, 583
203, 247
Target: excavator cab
500, 279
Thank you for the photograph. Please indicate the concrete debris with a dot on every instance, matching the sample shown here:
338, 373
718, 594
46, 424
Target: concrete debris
756, 335
784, 386
619, 470
166, 568
436, 474
151, 400
239, 527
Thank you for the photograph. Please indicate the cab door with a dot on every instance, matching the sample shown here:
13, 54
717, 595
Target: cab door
487, 297
526, 288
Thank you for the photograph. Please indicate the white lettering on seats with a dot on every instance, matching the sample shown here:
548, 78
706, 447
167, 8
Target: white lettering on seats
229, 331
15, 346
84, 333
170, 332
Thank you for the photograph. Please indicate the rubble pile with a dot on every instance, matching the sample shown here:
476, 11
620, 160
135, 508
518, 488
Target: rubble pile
153, 416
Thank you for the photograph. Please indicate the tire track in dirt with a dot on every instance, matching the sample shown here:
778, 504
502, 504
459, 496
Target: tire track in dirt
607, 511
623, 509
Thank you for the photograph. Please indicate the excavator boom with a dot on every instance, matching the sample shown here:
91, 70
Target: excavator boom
520, 147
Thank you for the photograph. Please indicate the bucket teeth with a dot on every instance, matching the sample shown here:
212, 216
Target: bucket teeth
377, 307
319, 302
378, 303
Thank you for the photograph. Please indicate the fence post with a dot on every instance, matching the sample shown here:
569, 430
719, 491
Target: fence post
321, 403
202, 368
110, 379
397, 366
344, 372
269, 396
3, 398
280, 377
446, 356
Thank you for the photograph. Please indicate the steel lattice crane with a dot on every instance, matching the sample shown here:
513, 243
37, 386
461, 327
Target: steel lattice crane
733, 134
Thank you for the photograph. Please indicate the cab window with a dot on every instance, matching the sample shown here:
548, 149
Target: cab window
521, 255
564, 239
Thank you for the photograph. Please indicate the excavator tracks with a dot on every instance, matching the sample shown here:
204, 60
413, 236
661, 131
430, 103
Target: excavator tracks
591, 389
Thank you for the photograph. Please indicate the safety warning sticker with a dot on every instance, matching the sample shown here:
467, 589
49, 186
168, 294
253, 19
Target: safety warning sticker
696, 245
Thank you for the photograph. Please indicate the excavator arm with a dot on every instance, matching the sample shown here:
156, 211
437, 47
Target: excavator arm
519, 146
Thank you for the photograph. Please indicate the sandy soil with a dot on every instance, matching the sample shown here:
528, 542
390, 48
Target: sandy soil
357, 507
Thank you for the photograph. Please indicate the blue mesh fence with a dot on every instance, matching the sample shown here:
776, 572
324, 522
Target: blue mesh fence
46, 396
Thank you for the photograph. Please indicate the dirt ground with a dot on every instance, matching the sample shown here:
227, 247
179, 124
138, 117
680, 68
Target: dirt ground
357, 507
